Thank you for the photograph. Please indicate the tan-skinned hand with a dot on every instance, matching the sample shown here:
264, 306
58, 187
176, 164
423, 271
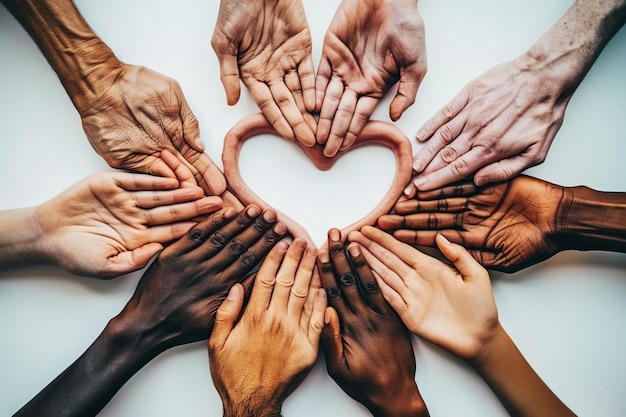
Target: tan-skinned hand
369, 46
267, 43
259, 359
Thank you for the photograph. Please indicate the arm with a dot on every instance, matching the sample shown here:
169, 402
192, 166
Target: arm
369, 46
504, 121
511, 225
129, 113
453, 307
275, 342
267, 43
361, 332
174, 304
106, 225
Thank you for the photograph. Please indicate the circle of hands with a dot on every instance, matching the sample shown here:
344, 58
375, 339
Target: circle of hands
361, 296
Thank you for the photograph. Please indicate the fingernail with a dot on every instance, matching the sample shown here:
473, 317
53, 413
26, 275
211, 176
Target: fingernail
324, 257
354, 251
282, 246
233, 293
269, 216
230, 212
418, 165
420, 135
253, 211
280, 228
408, 190
326, 316
443, 238
334, 234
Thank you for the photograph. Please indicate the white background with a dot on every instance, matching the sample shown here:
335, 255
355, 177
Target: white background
567, 314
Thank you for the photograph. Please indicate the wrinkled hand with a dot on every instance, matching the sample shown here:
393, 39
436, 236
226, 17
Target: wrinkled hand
499, 124
506, 226
133, 113
178, 296
369, 46
112, 223
363, 332
449, 305
258, 360
267, 43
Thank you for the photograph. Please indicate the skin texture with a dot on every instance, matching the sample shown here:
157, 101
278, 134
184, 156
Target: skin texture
129, 113
512, 225
505, 120
267, 43
276, 341
175, 303
452, 306
369, 46
106, 225
362, 331
375, 132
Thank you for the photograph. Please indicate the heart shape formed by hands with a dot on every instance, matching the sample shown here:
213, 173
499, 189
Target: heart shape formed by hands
375, 132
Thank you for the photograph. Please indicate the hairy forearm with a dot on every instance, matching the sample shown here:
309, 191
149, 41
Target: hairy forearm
19, 240
522, 392
592, 220
565, 53
73, 50
92, 380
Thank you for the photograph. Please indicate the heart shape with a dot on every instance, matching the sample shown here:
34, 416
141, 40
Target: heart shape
375, 132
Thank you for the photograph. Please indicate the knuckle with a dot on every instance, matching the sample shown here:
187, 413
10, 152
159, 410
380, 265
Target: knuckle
445, 132
217, 239
334, 293
448, 154
460, 167
236, 247
249, 258
347, 280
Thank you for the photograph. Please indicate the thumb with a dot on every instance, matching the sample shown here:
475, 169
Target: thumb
405, 96
229, 74
226, 316
191, 128
331, 338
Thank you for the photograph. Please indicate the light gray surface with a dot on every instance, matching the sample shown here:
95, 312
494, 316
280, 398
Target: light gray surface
567, 315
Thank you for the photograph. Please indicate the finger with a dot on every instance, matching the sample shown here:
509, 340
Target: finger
266, 277
394, 299
199, 233
152, 199
238, 246
307, 309
322, 79
447, 144
154, 166
229, 75
366, 277
426, 132
364, 108
410, 80
135, 182
341, 122
462, 189
265, 100
432, 221
306, 71
255, 253
301, 287
333, 291
332, 97
455, 171
316, 323
462, 260
191, 128
343, 271
286, 276
426, 237
332, 342
182, 211
226, 317
502, 170
292, 114
388, 280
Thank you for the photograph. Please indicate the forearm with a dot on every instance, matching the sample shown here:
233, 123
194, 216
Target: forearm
92, 380
73, 50
591, 220
19, 240
564, 54
522, 392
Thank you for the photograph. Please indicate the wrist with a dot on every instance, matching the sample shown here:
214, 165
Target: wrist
406, 401
22, 244
587, 219
251, 407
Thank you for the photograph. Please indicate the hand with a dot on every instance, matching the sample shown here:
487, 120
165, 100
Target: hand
113, 223
186, 284
506, 226
449, 305
268, 44
133, 113
362, 331
258, 360
369, 46
500, 124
